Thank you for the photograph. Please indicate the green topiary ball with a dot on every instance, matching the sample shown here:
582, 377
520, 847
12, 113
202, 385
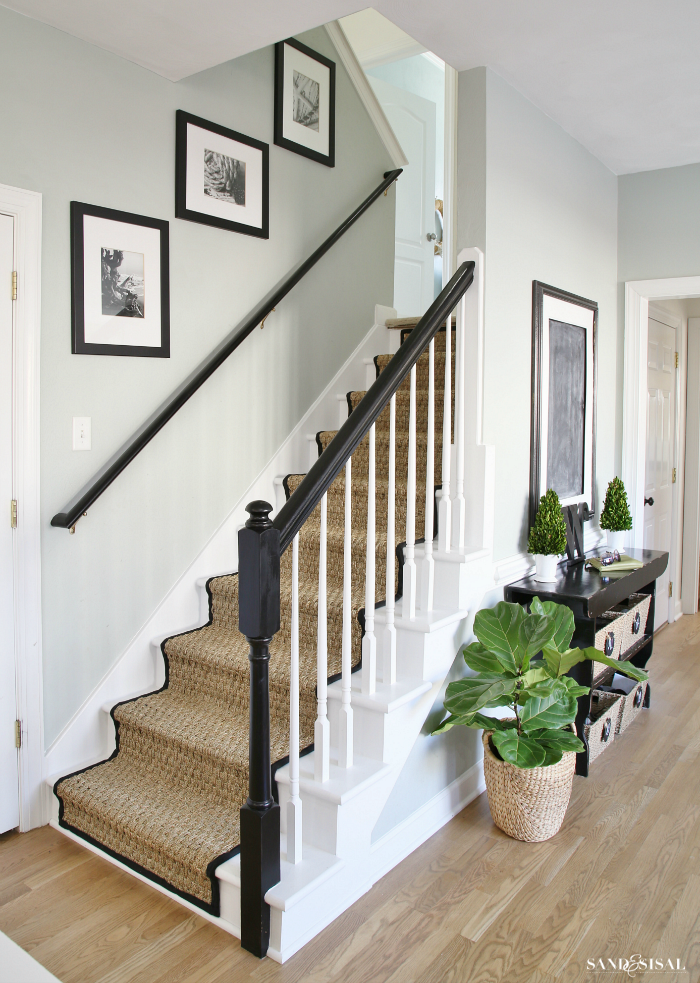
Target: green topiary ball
616, 515
548, 535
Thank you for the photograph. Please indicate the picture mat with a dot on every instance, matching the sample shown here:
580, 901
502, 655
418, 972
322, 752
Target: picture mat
297, 132
567, 409
109, 329
568, 313
199, 140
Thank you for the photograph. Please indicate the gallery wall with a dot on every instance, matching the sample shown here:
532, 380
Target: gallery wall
548, 211
81, 124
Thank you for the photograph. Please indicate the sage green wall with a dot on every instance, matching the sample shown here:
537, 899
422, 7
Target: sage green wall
80, 123
659, 224
549, 213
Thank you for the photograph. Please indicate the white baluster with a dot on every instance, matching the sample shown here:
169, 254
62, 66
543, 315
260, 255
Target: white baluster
369, 642
445, 504
389, 647
322, 731
294, 803
459, 507
409, 567
346, 737
428, 570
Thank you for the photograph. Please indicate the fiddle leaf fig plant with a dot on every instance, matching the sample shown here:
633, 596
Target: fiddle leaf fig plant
521, 661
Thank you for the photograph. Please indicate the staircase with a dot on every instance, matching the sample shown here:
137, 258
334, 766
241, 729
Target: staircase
166, 804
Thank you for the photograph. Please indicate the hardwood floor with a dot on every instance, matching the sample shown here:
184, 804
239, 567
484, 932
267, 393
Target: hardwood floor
621, 877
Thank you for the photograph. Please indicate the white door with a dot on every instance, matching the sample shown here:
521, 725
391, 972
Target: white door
413, 121
9, 772
661, 395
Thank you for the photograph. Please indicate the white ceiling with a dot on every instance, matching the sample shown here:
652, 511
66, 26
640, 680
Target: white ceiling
622, 76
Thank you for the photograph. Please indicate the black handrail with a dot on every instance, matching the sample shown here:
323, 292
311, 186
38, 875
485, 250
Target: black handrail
167, 410
296, 510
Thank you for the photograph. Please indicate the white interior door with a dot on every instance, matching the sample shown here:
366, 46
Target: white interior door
661, 397
9, 772
413, 121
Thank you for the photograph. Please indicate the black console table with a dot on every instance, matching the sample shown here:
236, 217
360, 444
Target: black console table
590, 594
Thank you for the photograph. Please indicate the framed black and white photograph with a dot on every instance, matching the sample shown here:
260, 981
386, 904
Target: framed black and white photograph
221, 177
563, 423
305, 102
120, 283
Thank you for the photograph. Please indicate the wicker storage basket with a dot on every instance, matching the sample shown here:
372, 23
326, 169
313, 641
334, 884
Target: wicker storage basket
608, 639
605, 714
631, 706
528, 803
633, 621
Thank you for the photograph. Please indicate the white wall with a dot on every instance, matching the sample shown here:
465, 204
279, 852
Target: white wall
550, 214
659, 223
79, 123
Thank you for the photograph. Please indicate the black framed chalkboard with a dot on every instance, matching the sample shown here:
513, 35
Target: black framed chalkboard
563, 417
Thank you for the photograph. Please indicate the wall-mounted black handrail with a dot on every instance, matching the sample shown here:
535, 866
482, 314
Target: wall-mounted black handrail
166, 411
294, 513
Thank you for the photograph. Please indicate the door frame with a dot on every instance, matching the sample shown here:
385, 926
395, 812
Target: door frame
638, 294
25, 207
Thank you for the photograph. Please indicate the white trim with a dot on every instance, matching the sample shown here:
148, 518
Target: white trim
638, 294
690, 577
659, 314
366, 93
449, 200
25, 208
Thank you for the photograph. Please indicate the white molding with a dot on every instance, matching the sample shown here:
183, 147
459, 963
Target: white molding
366, 93
638, 294
25, 207
690, 579
449, 230
659, 314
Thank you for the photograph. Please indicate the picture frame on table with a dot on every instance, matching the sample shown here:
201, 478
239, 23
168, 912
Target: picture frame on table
120, 280
563, 414
222, 177
305, 101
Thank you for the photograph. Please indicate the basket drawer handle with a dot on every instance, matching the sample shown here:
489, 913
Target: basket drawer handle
638, 696
609, 645
605, 733
636, 624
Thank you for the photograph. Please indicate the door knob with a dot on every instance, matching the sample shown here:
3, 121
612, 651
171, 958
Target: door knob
430, 236
648, 501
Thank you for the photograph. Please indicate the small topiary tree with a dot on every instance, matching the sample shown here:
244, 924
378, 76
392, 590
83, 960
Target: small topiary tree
616, 516
548, 535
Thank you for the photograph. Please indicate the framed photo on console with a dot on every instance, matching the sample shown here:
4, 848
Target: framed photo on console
120, 283
305, 101
221, 177
563, 420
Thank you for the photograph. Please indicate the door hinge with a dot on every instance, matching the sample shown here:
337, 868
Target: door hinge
676, 359
14, 284
673, 476
13, 513
670, 588
18, 733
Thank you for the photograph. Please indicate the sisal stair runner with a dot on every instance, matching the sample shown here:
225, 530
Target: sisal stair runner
167, 801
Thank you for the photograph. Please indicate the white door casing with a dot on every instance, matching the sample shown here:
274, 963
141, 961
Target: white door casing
660, 416
25, 209
9, 764
412, 119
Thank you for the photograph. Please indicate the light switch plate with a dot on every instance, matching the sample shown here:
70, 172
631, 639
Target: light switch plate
82, 433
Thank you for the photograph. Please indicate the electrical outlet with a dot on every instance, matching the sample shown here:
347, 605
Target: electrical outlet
82, 433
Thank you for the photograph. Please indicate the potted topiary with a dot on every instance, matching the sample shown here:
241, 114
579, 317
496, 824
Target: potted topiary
616, 517
529, 757
547, 540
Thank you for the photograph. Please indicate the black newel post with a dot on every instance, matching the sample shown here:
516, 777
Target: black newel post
259, 620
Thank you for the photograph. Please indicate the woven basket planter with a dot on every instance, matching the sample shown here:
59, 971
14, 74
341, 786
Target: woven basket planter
528, 803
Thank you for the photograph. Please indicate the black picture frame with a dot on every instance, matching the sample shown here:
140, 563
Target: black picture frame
285, 141
539, 292
184, 208
82, 345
